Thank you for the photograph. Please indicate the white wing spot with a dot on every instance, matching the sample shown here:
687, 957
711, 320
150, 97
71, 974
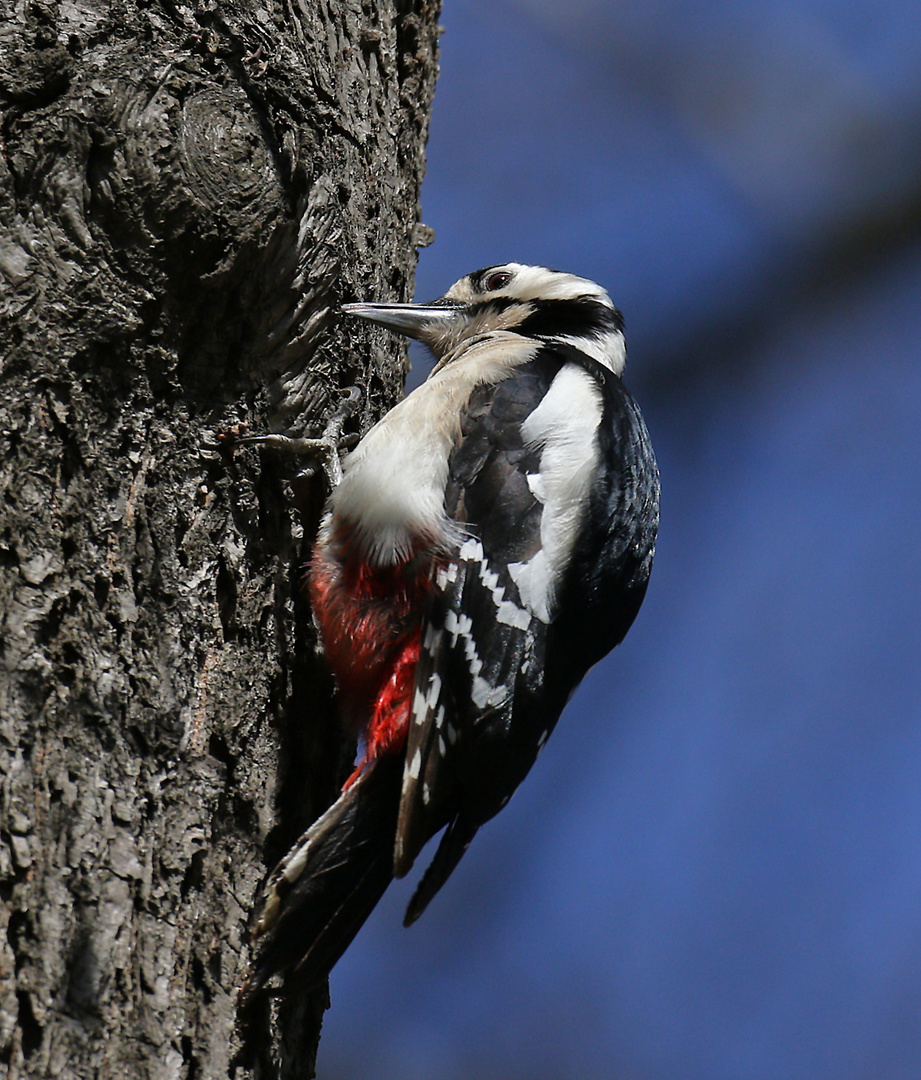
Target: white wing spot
471, 550
489, 578
442, 749
485, 696
446, 575
507, 612
510, 614
434, 691
415, 766
460, 626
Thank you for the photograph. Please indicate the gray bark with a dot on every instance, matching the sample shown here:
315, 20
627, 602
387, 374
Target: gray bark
186, 194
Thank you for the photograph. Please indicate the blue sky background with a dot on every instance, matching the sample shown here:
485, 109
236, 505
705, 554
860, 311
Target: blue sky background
714, 872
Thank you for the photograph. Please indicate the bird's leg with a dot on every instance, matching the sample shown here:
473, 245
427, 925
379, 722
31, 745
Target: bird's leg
325, 448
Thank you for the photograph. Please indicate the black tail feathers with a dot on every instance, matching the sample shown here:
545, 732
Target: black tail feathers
451, 848
326, 887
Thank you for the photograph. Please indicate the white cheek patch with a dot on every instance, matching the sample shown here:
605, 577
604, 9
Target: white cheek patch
565, 426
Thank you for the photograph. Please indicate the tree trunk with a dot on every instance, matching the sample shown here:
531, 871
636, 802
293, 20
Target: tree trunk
186, 194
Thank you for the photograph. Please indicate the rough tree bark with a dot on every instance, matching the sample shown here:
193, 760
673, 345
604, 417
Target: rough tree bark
186, 194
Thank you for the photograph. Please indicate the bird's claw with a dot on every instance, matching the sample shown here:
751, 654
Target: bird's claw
325, 447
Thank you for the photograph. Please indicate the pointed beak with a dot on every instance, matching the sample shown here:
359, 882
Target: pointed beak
420, 321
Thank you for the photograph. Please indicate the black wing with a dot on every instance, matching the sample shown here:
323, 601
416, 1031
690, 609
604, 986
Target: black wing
495, 672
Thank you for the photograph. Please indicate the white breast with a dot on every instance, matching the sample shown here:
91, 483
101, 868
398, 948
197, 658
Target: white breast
392, 493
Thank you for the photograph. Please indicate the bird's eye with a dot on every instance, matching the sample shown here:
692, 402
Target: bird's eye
497, 281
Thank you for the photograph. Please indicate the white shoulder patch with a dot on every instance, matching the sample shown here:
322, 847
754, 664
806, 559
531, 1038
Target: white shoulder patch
564, 426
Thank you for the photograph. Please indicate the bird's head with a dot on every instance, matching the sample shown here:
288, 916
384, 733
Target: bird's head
530, 301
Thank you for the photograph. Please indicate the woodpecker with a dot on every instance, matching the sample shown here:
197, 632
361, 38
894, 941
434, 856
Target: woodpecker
491, 539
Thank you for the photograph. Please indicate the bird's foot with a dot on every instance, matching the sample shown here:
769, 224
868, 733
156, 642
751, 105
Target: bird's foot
324, 450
